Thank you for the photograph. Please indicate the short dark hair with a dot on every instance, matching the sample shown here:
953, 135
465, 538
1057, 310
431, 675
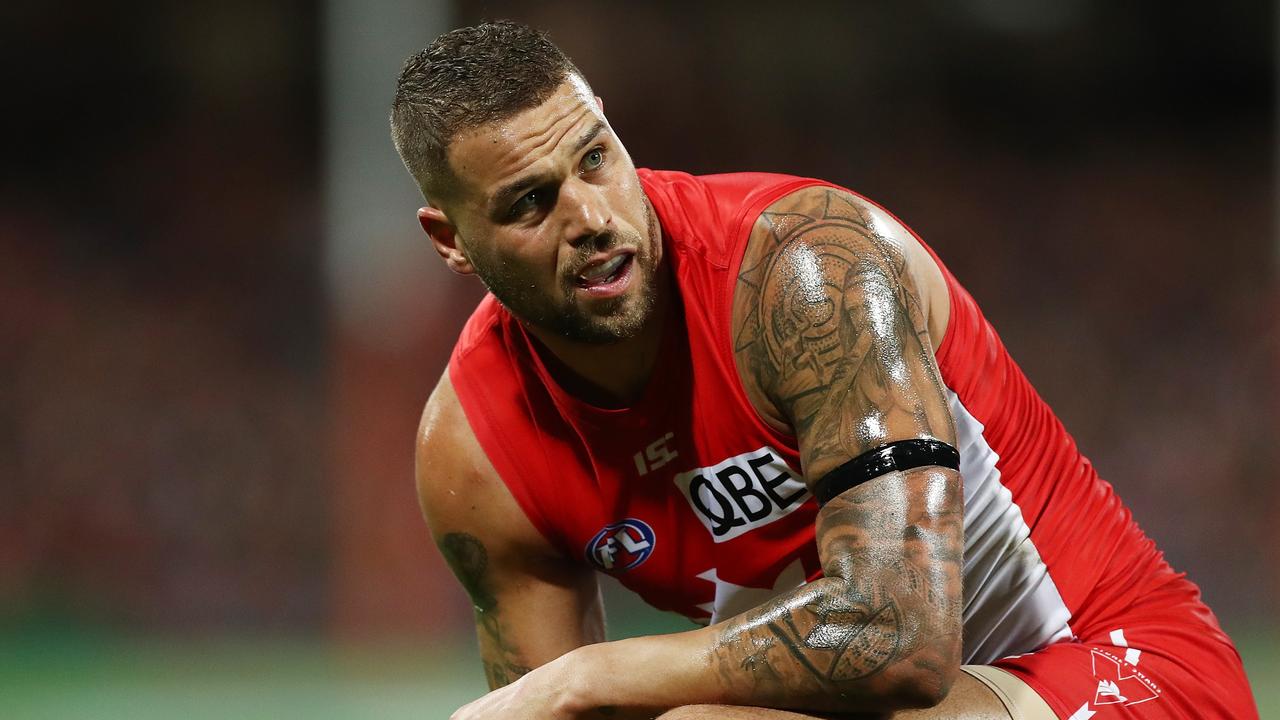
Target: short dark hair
466, 78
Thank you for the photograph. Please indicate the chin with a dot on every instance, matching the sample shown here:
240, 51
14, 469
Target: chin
604, 333
628, 320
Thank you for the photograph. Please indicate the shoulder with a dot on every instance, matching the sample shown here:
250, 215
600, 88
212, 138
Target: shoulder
460, 492
712, 213
484, 367
826, 214
483, 327
726, 196
834, 226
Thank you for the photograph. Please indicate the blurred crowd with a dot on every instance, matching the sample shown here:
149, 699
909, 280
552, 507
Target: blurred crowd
1100, 177
161, 319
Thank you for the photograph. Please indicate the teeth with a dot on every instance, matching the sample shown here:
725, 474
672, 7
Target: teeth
604, 270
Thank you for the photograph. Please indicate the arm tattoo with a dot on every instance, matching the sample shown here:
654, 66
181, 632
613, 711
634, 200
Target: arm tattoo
470, 562
829, 330
886, 600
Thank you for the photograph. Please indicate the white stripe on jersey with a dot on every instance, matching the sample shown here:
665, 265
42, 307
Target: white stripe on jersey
1011, 605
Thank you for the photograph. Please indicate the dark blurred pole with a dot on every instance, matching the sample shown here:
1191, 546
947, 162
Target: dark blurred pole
391, 315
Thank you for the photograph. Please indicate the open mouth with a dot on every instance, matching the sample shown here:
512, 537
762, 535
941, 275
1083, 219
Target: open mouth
607, 277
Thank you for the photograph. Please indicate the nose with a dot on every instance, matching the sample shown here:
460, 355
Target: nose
587, 214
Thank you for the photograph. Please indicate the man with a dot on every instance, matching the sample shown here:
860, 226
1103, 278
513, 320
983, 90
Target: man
762, 402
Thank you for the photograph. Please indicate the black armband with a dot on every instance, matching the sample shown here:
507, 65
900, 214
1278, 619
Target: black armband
896, 456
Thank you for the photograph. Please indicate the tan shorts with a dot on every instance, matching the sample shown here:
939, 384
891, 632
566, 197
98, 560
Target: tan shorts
1020, 701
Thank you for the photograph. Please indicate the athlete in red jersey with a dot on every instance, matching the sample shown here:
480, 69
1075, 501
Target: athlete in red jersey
667, 373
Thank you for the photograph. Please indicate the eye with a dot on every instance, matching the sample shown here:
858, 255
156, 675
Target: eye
593, 159
527, 202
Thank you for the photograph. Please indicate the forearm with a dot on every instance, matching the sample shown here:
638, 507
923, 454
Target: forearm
641, 677
786, 655
840, 645
880, 632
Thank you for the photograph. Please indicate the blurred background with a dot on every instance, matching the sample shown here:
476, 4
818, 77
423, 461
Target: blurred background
219, 319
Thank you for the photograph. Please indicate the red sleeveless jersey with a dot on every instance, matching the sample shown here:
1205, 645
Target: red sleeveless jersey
690, 500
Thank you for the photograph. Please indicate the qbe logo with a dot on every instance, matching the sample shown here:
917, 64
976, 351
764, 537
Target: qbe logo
622, 545
742, 493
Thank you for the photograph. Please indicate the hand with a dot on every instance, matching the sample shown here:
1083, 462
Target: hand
542, 694
520, 699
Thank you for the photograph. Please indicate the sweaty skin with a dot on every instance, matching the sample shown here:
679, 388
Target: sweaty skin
541, 199
832, 342
836, 311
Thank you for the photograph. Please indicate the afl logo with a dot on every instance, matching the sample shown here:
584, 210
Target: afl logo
621, 546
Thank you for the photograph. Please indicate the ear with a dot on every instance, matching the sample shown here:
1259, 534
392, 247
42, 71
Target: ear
444, 237
600, 104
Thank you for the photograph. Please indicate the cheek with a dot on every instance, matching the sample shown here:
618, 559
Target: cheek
628, 197
538, 259
519, 257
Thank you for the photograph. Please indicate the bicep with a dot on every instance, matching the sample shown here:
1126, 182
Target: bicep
840, 349
531, 604
832, 330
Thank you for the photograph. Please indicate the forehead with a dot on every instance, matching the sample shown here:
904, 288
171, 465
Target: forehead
483, 157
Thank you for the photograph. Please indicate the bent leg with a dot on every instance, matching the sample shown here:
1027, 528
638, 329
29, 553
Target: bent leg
980, 693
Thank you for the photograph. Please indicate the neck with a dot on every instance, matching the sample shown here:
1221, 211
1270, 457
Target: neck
612, 375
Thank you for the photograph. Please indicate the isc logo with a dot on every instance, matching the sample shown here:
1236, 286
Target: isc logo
742, 493
656, 455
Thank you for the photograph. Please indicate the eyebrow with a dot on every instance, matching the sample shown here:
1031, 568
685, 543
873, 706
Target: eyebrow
518, 187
